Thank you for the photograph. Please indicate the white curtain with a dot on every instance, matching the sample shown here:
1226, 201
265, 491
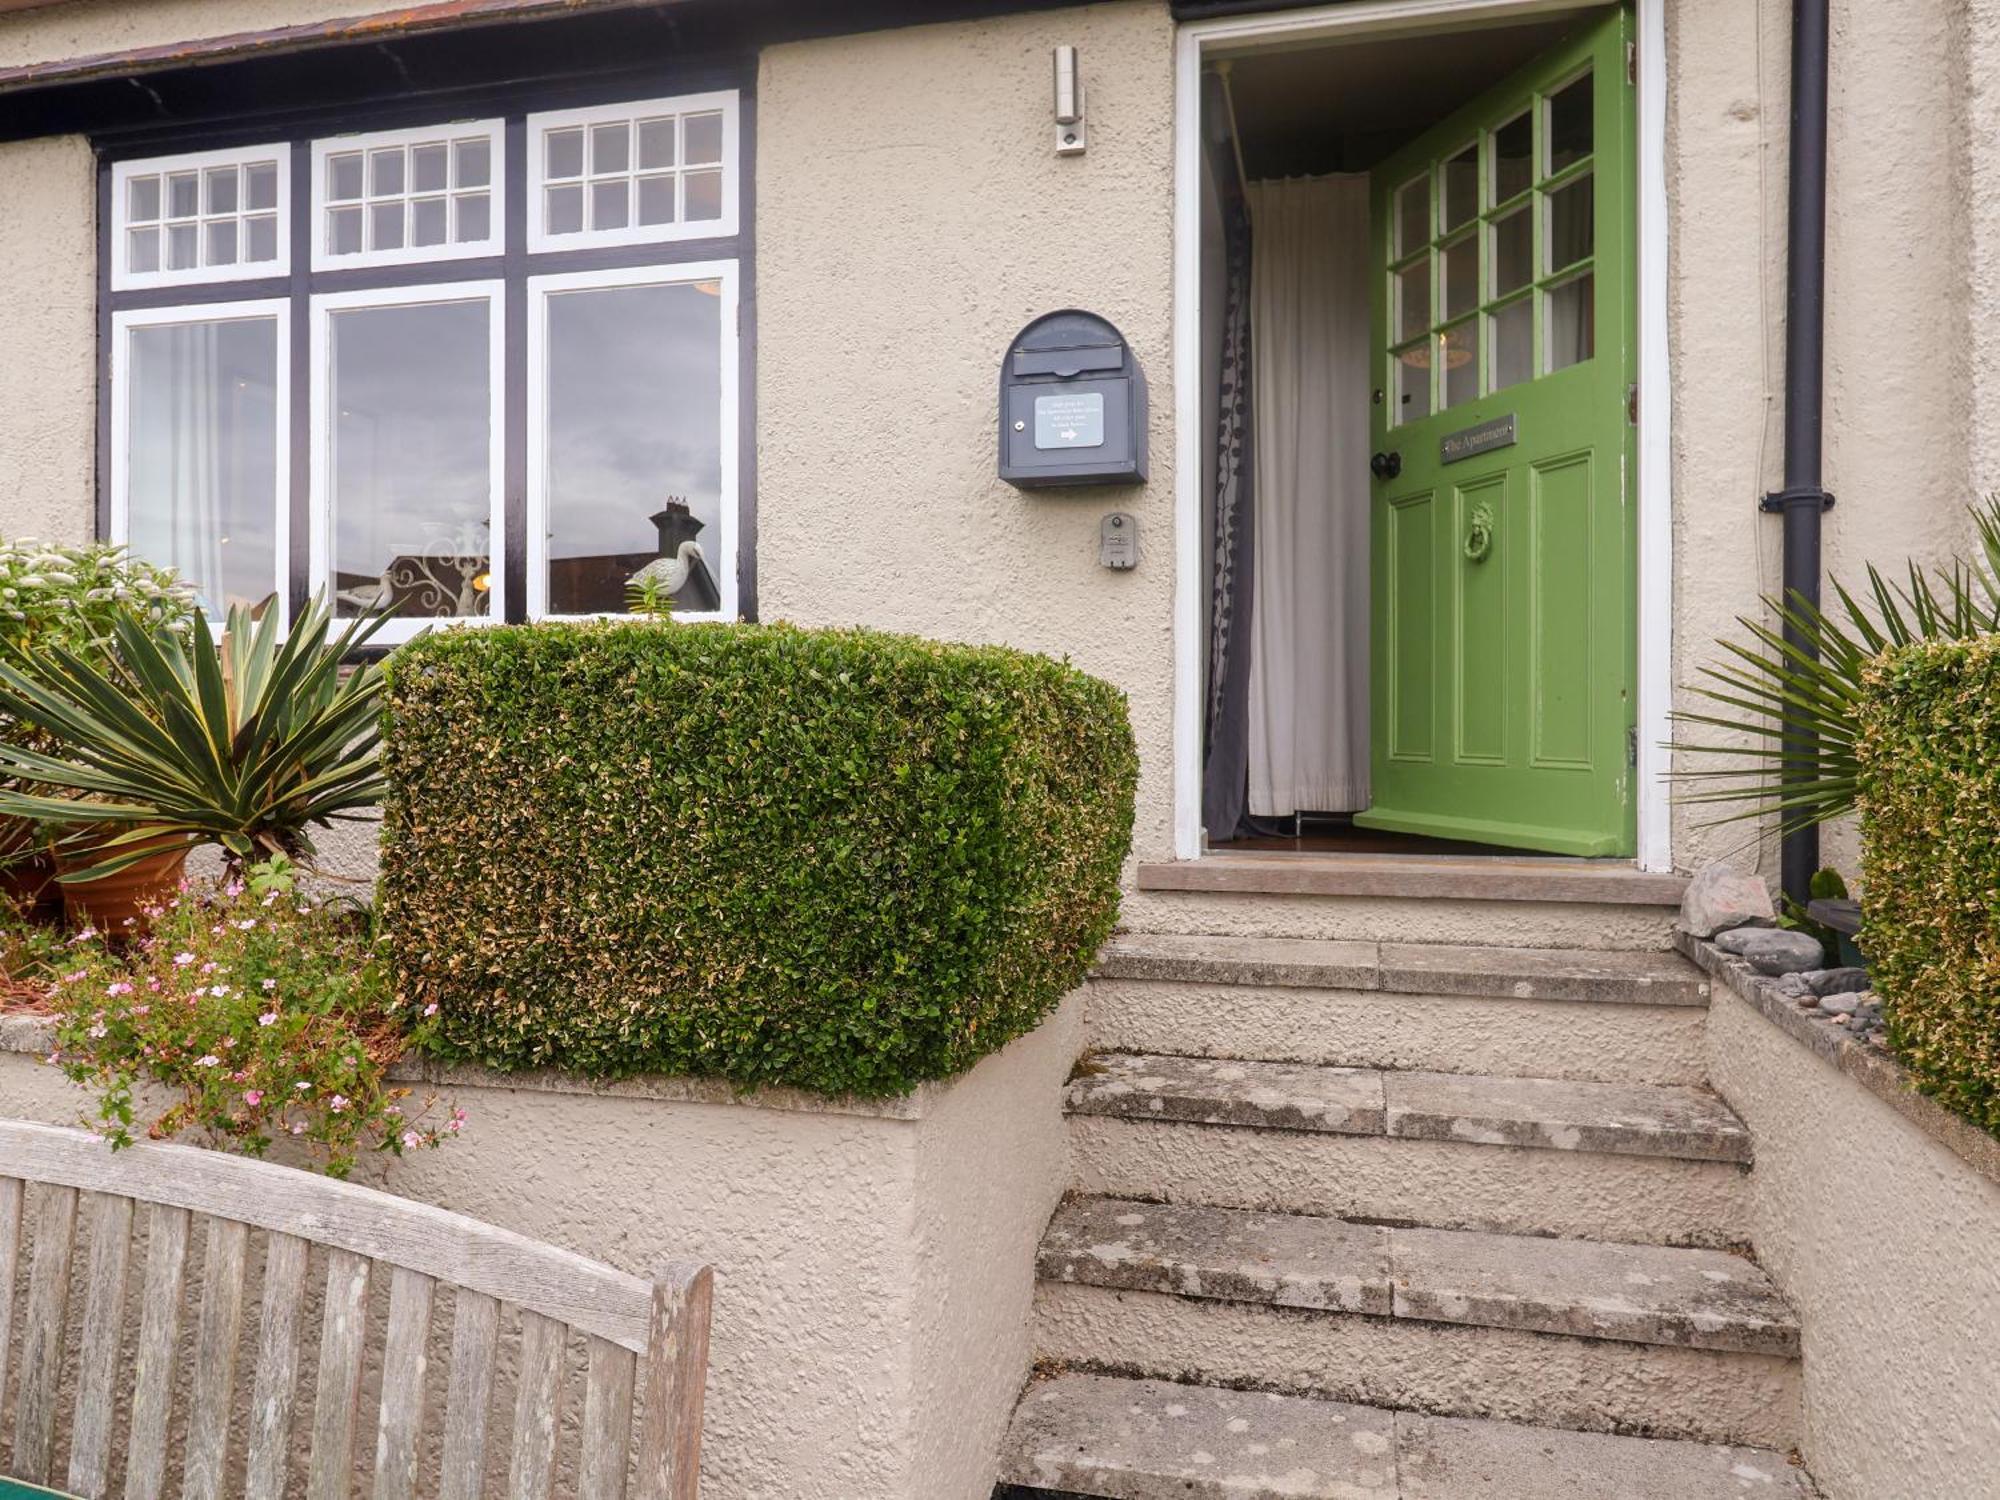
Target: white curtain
1309, 629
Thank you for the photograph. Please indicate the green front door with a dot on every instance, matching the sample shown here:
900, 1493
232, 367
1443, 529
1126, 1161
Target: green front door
1502, 536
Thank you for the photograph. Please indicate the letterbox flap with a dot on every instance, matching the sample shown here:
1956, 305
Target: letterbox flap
1073, 360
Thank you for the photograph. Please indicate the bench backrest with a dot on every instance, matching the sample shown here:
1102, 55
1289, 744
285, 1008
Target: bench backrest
624, 1321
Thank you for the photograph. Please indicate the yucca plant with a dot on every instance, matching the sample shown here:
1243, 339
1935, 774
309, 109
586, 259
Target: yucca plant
1771, 690
173, 740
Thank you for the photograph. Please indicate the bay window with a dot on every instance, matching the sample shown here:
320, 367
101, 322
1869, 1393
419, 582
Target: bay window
464, 371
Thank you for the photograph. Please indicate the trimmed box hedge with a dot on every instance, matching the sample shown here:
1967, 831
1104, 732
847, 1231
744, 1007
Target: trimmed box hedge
840, 860
1930, 838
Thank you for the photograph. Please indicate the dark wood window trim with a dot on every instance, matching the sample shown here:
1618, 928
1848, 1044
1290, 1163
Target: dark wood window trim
512, 268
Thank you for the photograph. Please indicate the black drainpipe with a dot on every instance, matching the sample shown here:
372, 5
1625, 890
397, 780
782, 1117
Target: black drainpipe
1804, 498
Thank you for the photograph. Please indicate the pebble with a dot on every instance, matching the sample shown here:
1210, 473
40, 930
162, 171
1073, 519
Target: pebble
1841, 1005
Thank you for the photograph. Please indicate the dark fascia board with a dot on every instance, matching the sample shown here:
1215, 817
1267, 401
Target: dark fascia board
444, 48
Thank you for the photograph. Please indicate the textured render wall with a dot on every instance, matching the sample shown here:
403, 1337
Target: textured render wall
48, 321
92, 26
911, 216
874, 1268
1883, 1239
1898, 393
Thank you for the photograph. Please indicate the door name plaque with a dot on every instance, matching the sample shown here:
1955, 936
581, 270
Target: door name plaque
1470, 442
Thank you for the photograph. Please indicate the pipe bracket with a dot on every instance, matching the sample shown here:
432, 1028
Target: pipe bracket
1804, 494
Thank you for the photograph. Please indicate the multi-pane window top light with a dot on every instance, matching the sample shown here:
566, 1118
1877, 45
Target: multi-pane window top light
663, 169
205, 217
408, 195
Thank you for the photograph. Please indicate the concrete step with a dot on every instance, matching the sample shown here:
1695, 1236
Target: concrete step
1158, 1440
1518, 1155
1579, 1334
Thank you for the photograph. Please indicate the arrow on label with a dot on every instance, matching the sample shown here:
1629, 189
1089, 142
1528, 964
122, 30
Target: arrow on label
1069, 434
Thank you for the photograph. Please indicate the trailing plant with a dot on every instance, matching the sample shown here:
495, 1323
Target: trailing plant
840, 860
176, 740
266, 1017
1929, 747
1769, 689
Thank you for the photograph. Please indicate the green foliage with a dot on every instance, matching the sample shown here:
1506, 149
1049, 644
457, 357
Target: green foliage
649, 598
174, 740
1929, 748
840, 860
267, 1017
1826, 885
1769, 686
69, 597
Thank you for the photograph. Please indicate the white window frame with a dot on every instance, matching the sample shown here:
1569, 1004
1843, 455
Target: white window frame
494, 132
123, 325
320, 574
726, 101
124, 279
540, 288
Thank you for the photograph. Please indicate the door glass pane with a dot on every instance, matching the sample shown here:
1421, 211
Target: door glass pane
1458, 347
1413, 298
634, 445
411, 479
1569, 124
1461, 276
1571, 224
202, 455
1513, 251
1513, 335
1513, 157
1461, 188
1412, 383
1413, 215
1570, 334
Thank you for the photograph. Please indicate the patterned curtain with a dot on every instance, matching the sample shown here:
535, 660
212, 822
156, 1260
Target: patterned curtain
1226, 738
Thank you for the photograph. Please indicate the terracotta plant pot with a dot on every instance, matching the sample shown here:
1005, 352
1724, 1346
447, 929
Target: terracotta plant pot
106, 903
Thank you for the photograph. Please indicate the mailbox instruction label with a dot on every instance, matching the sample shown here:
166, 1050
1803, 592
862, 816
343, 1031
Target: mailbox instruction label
1070, 420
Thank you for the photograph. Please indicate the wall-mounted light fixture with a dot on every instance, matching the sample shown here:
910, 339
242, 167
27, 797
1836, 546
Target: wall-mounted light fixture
1069, 103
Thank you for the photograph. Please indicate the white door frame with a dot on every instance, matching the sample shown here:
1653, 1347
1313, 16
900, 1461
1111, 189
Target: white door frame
1386, 18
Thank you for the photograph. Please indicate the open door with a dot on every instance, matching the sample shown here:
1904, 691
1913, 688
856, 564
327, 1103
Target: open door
1502, 537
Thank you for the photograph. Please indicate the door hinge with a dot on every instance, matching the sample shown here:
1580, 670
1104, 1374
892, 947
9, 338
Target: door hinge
1632, 748
1632, 404
1632, 63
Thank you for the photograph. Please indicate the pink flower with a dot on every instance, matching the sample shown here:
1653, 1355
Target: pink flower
431, 1009
298, 1127
411, 1140
218, 990
302, 1086
182, 960
209, 967
97, 1030
269, 1018
270, 984
84, 936
246, 924
337, 1103
253, 1097
118, 987
142, 1010
209, 1061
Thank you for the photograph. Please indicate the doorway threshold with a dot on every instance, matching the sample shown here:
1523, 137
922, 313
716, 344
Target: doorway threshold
1444, 877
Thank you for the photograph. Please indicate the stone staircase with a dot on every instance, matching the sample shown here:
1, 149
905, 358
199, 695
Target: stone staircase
1402, 1221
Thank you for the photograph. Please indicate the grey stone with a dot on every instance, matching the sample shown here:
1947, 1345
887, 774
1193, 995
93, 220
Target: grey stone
1773, 950
1793, 986
1459, 1458
1221, 1091
1840, 1005
1841, 981
1564, 1115
1720, 898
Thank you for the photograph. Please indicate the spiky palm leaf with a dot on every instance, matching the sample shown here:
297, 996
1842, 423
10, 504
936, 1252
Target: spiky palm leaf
179, 741
1795, 702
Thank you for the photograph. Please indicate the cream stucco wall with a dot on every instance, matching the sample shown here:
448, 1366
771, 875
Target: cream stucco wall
1883, 1239
874, 1265
84, 28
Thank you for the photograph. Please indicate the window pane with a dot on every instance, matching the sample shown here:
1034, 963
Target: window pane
704, 196
343, 176
634, 445
430, 168
1513, 157
1413, 299
430, 221
201, 452
1461, 187
1571, 224
261, 180
704, 139
385, 172
610, 204
183, 246
1570, 335
385, 226
222, 190
1459, 347
474, 160
656, 144
1413, 384
656, 200
1514, 343
565, 153
410, 482
1461, 276
1569, 124
475, 217
565, 209
222, 243
1513, 251
143, 250
610, 148
142, 199
183, 195
261, 238
1413, 215
343, 230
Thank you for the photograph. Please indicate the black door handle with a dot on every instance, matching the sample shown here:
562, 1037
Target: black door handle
1386, 465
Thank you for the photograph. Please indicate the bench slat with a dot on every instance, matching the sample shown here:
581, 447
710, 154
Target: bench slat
218, 1325
676, 1383
607, 1422
12, 1192
42, 1336
275, 1388
537, 1409
156, 1360
475, 1343
343, 1335
401, 1420
110, 1220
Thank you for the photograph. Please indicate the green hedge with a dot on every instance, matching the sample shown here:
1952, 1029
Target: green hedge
1930, 759
845, 861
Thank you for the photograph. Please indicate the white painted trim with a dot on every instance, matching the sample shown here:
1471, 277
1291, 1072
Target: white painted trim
1388, 18
321, 457
493, 132
278, 310
123, 279
726, 101
539, 289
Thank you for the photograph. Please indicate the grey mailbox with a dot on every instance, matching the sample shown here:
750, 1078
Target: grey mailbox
1072, 405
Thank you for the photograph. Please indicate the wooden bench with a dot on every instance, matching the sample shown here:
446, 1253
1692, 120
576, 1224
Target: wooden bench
622, 1320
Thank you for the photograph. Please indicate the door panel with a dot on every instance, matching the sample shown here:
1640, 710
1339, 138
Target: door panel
1504, 547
